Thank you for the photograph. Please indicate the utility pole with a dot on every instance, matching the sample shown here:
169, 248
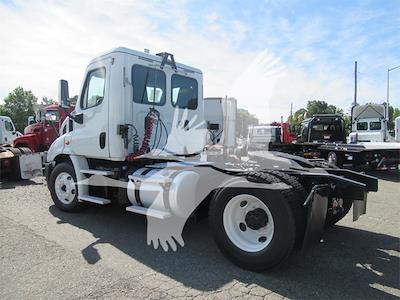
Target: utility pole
355, 84
387, 90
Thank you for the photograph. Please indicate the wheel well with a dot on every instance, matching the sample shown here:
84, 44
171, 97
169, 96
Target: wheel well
19, 145
62, 158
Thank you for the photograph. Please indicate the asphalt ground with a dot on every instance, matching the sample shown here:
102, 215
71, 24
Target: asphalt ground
102, 253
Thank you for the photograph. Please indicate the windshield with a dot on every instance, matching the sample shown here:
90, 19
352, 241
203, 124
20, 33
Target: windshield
52, 116
375, 125
362, 126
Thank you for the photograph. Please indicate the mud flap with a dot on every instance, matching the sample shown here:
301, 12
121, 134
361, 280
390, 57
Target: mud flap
317, 203
30, 165
359, 207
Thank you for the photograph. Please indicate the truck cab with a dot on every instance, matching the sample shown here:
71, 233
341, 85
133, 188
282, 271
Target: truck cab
39, 135
122, 88
324, 128
369, 123
7, 130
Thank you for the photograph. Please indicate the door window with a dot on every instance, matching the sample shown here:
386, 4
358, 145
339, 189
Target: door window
8, 125
148, 85
184, 92
94, 88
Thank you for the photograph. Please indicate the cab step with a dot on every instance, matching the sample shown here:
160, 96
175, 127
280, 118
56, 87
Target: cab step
97, 172
159, 214
94, 199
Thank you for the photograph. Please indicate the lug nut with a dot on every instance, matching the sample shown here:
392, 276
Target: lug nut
242, 227
262, 239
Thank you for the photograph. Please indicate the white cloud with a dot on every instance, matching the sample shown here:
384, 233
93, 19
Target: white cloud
44, 42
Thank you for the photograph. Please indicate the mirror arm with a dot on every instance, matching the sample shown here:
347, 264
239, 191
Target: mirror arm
76, 118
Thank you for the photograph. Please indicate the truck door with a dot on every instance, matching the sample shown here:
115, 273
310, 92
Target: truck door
90, 134
9, 131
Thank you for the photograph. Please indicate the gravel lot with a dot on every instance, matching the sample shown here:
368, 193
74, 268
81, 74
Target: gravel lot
102, 253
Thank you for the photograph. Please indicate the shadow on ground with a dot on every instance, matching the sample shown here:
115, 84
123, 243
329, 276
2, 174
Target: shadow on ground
350, 264
13, 184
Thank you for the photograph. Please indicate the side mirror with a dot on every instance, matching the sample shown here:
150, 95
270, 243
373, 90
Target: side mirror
31, 120
63, 94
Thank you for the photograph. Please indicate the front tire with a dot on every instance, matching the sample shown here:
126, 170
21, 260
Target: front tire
63, 188
251, 228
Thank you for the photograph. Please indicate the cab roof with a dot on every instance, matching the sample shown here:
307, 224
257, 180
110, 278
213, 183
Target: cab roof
143, 55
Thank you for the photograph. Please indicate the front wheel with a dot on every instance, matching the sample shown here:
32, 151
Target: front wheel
253, 230
63, 188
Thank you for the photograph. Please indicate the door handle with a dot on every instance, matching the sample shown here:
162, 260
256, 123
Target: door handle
102, 140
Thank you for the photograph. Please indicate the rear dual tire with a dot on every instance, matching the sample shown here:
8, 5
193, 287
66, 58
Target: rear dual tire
259, 246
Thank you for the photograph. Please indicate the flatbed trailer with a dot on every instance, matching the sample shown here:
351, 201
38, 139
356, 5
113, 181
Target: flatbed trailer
375, 155
323, 137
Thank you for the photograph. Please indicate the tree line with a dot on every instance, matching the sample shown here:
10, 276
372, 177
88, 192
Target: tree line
20, 104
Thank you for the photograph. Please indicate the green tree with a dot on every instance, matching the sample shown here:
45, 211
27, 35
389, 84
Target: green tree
18, 105
244, 119
74, 99
321, 107
47, 101
296, 119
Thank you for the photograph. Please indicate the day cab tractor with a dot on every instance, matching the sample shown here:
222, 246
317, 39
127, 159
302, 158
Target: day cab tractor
39, 135
140, 138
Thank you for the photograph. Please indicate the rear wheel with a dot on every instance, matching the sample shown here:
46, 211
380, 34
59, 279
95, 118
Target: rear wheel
335, 159
251, 226
63, 188
335, 215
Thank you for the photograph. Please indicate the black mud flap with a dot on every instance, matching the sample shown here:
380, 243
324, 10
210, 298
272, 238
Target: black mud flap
359, 207
317, 204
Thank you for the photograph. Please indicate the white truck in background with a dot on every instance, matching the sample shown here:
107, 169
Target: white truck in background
369, 123
7, 131
369, 131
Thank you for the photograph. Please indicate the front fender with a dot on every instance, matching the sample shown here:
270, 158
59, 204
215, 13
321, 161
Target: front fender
28, 139
56, 148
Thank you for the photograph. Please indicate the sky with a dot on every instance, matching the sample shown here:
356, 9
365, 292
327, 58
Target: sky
267, 54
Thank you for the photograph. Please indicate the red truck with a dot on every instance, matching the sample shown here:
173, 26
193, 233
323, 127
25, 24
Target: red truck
39, 135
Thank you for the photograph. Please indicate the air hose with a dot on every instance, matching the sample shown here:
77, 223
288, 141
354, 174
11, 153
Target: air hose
152, 117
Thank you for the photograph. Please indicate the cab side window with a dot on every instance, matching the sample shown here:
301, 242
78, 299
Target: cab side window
149, 85
184, 92
8, 125
93, 92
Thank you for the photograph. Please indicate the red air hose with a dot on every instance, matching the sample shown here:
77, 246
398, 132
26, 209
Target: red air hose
148, 130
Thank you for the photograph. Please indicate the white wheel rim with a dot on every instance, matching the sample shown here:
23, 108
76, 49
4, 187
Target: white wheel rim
332, 158
234, 216
65, 188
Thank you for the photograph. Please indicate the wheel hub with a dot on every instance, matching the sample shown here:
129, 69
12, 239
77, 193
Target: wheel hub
248, 223
256, 219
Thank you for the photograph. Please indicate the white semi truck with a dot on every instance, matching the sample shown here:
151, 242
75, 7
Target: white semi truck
7, 131
140, 137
